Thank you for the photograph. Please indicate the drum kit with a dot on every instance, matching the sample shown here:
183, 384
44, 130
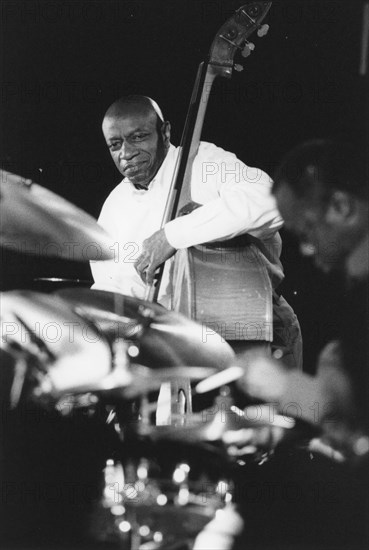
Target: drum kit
136, 367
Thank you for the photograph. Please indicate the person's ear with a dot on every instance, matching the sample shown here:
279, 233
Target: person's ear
341, 209
165, 131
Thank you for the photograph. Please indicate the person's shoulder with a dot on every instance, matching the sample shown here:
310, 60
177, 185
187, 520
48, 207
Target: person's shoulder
208, 152
212, 151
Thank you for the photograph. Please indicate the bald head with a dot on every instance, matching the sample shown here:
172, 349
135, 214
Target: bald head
135, 104
138, 138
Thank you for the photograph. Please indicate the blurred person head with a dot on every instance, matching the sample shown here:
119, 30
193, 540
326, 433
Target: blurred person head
321, 187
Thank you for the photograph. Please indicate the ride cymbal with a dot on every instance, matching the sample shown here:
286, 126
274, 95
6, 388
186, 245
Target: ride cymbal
36, 221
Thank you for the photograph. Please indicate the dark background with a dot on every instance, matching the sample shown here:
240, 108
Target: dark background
64, 62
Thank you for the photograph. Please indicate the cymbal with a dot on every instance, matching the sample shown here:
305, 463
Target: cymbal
163, 338
36, 221
71, 356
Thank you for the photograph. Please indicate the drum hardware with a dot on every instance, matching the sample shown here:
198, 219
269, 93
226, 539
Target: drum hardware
147, 497
160, 343
247, 436
161, 486
158, 503
226, 376
174, 401
20, 367
354, 450
70, 356
30, 358
84, 402
162, 489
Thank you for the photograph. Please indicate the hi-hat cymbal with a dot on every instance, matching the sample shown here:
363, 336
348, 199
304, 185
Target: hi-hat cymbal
36, 221
164, 338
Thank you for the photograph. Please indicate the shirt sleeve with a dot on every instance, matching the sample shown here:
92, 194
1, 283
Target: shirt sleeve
237, 199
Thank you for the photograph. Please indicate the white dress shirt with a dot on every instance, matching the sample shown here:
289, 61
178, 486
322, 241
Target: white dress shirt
235, 199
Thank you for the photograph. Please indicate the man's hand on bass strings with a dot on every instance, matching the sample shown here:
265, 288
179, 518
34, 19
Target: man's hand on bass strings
155, 250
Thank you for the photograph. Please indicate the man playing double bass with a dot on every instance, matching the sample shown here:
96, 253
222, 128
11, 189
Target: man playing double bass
233, 199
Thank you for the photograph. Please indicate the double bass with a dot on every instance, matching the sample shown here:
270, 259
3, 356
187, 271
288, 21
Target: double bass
222, 284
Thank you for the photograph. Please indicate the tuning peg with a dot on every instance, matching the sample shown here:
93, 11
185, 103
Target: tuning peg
262, 30
238, 67
248, 48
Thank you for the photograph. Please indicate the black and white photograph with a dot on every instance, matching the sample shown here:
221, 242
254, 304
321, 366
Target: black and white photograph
184, 303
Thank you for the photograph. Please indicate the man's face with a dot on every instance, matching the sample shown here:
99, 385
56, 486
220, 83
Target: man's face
316, 227
135, 144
